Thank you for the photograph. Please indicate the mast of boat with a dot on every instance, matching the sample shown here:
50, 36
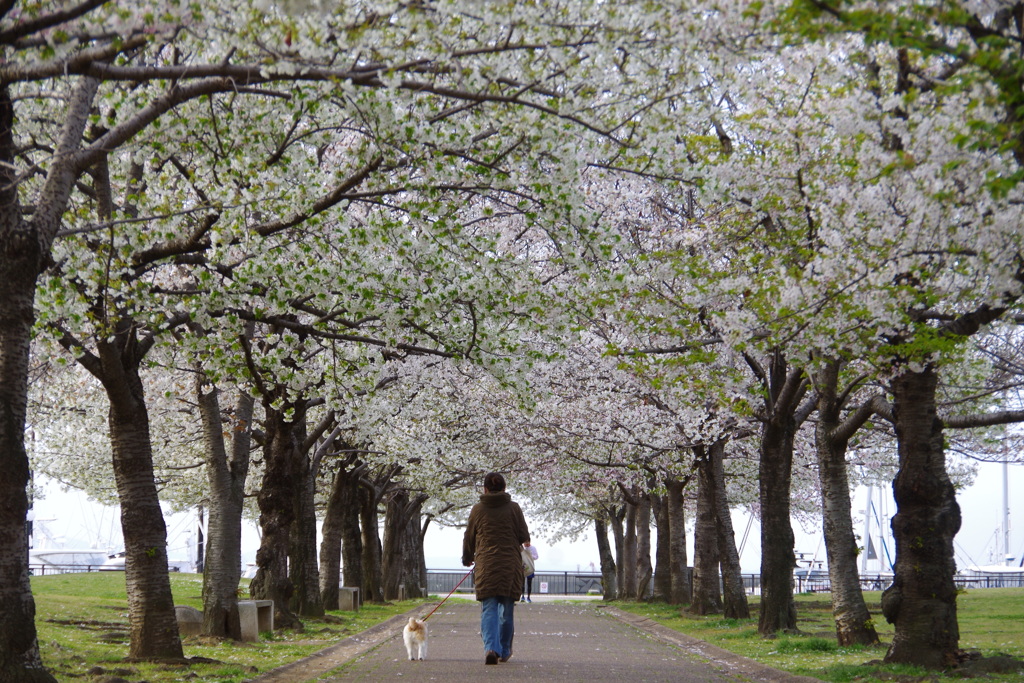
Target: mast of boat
1007, 559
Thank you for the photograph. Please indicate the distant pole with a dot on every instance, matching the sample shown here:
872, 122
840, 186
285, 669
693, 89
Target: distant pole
1006, 513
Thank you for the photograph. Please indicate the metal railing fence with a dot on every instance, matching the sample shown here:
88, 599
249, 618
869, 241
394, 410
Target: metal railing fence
442, 581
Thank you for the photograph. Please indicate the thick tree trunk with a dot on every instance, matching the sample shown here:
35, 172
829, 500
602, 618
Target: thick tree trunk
372, 590
922, 600
707, 596
734, 596
351, 534
662, 553
24, 248
629, 553
402, 549
302, 551
853, 621
331, 532
151, 605
399, 561
151, 616
778, 609
675, 516
416, 557
20, 260
392, 558
281, 452
608, 575
19, 263
644, 569
226, 475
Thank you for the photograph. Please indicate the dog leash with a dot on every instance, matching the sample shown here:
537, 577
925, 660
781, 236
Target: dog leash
450, 594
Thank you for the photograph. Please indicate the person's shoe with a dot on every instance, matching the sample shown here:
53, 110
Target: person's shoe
491, 657
529, 600
505, 658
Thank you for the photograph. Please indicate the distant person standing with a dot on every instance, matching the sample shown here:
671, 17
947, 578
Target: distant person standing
530, 556
495, 533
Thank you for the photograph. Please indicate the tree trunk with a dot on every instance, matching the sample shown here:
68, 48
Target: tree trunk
330, 549
302, 550
396, 523
276, 499
629, 553
680, 589
226, 475
351, 534
922, 600
403, 548
341, 507
778, 609
20, 263
853, 621
19, 648
151, 617
24, 249
417, 557
734, 595
393, 546
604, 551
662, 553
644, 570
371, 559
707, 596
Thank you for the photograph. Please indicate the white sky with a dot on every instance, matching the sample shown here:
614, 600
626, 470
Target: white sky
73, 521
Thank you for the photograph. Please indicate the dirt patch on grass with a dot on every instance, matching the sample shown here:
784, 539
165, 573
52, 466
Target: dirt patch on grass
90, 624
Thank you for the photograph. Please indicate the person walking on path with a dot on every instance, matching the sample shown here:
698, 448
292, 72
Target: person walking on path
530, 556
495, 532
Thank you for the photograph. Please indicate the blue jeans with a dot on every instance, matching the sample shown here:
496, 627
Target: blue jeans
496, 625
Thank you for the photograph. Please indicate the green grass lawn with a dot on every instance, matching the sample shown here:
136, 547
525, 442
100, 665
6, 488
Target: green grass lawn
991, 623
82, 625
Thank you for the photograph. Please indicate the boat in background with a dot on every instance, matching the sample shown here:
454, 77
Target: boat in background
42, 561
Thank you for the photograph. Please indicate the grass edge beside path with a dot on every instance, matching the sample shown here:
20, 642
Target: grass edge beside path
730, 662
991, 625
334, 656
82, 628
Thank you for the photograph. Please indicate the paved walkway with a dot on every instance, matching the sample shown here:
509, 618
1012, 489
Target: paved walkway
554, 641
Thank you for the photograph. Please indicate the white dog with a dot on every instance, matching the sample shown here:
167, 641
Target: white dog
415, 634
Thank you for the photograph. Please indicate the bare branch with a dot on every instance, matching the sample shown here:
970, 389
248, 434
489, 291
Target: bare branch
1001, 417
44, 22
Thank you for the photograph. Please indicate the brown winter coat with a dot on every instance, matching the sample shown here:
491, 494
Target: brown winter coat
494, 536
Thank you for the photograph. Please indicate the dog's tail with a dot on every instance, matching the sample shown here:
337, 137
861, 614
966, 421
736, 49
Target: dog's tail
415, 624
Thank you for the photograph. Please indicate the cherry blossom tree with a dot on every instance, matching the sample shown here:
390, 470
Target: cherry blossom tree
98, 155
897, 242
